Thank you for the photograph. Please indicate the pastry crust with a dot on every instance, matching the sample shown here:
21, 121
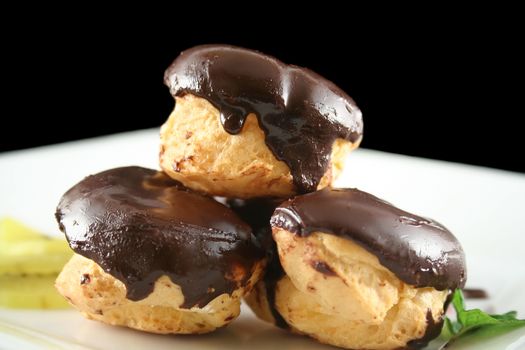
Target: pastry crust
405, 321
338, 293
101, 297
197, 151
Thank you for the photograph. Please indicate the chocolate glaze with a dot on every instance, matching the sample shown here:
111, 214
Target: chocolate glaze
433, 330
475, 293
257, 213
419, 251
138, 224
274, 273
300, 112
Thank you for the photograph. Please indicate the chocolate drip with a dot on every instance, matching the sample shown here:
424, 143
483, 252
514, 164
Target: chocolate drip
274, 273
257, 213
138, 224
433, 330
300, 112
419, 251
475, 293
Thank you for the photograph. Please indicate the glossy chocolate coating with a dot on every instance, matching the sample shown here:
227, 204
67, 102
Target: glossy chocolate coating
257, 213
138, 224
300, 112
432, 331
475, 293
274, 273
420, 251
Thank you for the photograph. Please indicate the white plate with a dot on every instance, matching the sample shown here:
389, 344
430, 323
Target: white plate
483, 207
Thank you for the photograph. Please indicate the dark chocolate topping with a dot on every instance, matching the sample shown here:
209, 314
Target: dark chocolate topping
475, 293
274, 273
300, 112
419, 251
138, 224
257, 213
432, 331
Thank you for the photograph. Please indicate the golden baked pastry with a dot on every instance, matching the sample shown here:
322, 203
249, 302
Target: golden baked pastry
153, 255
102, 297
246, 125
197, 151
355, 272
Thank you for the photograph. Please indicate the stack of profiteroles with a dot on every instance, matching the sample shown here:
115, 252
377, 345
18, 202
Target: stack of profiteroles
244, 207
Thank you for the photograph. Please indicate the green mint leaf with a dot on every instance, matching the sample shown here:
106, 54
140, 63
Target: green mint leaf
458, 301
511, 315
469, 320
450, 328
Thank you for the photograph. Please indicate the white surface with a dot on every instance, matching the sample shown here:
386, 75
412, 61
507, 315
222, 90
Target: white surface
483, 207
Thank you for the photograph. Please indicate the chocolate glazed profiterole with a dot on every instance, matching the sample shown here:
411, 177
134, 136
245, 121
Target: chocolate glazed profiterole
138, 224
153, 255
300, 112
420, 251
354, 271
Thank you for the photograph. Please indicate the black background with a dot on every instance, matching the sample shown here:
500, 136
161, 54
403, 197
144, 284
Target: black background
445, 89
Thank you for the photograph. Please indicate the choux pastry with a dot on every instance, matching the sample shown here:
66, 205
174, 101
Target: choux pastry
356, 272
247, 125
154, 255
